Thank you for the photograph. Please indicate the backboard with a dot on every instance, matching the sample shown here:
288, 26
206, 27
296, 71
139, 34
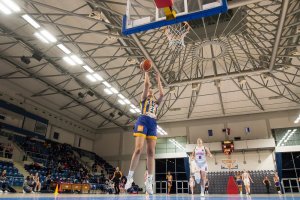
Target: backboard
143, 15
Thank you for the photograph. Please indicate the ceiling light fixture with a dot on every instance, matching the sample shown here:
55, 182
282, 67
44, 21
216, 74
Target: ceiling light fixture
106, 84
12, 5
114, 90
132, 110
98, 77
87, 68
121, 102
108, 91
48, 36
40, 37
76, 59
31, 21
4, 9
121, 96
69, 61
64, 49
126, 101
91, 78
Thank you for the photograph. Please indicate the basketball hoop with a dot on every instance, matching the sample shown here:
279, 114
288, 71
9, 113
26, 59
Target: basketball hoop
176, 33
229, 163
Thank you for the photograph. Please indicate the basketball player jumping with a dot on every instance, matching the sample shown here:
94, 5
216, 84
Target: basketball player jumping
200, 154
145, 129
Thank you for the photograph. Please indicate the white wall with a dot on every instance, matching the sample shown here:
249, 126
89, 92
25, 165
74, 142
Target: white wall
107, 144
86, 144
64, 136
29, 124
251, 158
69, 138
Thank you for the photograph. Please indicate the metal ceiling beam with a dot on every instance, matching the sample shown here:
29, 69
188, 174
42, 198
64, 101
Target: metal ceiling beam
248, 92
62, 70
193, 100
55, 88
219, 76
284, 10
217, 86
284, 92
147, 55
72, 14
169, 102
239, 3
221, 100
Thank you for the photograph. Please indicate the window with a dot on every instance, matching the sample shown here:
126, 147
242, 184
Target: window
56, 135
177, 168
164, 145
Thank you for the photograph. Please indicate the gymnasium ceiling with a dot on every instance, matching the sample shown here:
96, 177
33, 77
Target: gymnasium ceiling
248, 62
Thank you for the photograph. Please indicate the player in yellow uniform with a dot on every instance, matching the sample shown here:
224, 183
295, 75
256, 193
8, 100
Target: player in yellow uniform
145, 129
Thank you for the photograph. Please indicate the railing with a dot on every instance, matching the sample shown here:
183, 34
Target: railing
182, 187
290, 185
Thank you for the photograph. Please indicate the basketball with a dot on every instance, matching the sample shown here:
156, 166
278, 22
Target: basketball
146, 65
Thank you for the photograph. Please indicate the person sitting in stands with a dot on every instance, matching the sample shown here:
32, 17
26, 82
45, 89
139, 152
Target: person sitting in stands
26, 186
31, 181
3, 182
5, 187
36, 179
122, 184
47, 182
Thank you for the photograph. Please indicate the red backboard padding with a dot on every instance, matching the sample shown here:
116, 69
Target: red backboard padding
164, 3
232, 187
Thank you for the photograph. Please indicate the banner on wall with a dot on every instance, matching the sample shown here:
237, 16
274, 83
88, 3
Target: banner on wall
229, 164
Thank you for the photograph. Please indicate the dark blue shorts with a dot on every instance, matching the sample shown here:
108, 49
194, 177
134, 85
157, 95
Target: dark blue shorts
239, 182
145, 127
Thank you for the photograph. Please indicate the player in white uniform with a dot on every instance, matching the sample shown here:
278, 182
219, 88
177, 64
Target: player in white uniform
200, 154
246, 179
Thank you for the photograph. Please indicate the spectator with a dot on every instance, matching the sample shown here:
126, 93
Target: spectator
47, 182
26, 186
267, 183
31, 181
8, 151
4, 183
109, 187
37, 182
122, 184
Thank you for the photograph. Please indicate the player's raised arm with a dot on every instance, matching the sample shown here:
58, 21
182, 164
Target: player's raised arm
160, 88
146, 86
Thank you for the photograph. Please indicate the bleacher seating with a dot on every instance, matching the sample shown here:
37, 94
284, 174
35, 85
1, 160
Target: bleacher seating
33, 148
218, 182
14, 177
93, 156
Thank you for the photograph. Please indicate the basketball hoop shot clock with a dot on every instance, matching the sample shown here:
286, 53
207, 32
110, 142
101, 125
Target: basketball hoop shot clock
227, 147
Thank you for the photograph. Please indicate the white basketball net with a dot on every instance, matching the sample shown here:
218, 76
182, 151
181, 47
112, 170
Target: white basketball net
176, 33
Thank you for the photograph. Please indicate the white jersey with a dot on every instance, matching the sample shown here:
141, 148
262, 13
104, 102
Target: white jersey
200, 158
200, 155
246, 178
